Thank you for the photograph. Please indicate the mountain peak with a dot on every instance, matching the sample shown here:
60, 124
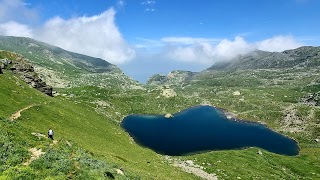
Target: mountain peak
305, 56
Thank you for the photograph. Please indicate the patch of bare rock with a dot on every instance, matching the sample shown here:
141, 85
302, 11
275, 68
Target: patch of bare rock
35, 154
190, 167
291, 121
167, 92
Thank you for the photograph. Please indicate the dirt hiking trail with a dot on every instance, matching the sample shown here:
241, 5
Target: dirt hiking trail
17, 114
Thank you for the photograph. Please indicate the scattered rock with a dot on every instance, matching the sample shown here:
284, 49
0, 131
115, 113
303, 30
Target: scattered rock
168, 92
54, 142
35, 154
190, 167
259, 152
102, 103
69, 144
311, 99
39, 135
230, 115
168, 116
292, 122
120, 171
317, 140
109, 175
236, 93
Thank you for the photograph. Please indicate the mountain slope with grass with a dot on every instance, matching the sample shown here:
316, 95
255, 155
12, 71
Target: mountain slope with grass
90, 144
60, 68
306, 56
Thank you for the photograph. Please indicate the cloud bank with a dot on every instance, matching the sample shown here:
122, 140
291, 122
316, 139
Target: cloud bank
13, 28
208, 51
96, 36
16, 10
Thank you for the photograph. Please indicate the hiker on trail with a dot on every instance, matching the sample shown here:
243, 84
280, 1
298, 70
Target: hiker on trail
50, 133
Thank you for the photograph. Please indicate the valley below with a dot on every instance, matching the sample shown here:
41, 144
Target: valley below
91, 98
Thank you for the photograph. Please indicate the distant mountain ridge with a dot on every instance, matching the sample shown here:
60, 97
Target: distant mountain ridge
40, 52
61, 68
302, 57
306, 56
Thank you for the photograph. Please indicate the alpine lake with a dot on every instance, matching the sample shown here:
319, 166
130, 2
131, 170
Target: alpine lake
203, 128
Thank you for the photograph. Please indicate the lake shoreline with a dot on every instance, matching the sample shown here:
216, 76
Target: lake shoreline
134, 130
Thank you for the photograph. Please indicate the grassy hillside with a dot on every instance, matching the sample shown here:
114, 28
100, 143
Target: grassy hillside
269, 97
272, 97
98, 144
92, 145
61, 68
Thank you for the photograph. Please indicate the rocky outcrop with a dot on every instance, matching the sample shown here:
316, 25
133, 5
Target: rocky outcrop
167, 92
157, 79
168, 115
20, 65
176, 77
3, 64
311, 99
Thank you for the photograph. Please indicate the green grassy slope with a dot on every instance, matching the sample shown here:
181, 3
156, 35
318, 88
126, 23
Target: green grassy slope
61, 68
78, 123
273, 98
264, 97
91, 143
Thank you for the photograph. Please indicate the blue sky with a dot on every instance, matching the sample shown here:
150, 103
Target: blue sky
144, 37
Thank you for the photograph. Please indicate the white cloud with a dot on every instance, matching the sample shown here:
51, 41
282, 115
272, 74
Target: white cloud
16, 10
149, 5
227, 49
278, 44
96, 36
121, 4
209, 51
149, 2
13, 28
201, 50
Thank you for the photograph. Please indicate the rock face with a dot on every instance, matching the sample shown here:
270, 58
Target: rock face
236, 93
20, 65
3, 64
167, 92
312, 99
173, 78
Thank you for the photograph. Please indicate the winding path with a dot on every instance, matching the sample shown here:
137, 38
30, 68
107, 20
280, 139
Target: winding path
17, 114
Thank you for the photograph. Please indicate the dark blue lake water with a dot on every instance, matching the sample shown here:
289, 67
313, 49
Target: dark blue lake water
203, 128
